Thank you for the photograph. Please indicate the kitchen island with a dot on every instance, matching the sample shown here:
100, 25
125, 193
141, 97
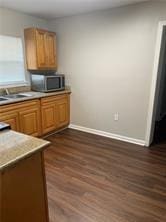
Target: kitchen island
23, 196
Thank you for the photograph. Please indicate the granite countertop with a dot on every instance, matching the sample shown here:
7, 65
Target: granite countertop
34, 95
15, 146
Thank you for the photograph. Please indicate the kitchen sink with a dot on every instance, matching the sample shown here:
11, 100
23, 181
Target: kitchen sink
2, 99
15, 96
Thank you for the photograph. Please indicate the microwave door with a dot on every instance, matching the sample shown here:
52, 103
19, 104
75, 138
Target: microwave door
53, 83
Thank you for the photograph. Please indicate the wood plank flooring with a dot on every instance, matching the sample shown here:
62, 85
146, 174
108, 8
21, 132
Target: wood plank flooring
95, 179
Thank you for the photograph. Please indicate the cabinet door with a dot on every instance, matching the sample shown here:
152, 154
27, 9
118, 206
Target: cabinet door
51, 50
41, 48
63, 112
49, 118
23, 196
30, 121
12, 119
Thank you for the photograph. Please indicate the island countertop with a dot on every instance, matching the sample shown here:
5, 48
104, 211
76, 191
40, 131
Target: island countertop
15, 146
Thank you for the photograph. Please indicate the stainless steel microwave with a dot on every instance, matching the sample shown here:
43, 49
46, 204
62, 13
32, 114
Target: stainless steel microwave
47, 83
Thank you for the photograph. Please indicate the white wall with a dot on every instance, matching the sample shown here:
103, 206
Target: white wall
13, 23
108, 59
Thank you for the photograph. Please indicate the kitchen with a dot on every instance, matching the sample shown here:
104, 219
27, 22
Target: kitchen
96, 162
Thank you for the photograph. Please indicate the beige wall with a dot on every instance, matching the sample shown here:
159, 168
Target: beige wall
13, 23
108, 59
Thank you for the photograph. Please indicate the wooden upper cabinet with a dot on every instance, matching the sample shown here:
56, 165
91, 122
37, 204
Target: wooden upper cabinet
51, 49
40, 48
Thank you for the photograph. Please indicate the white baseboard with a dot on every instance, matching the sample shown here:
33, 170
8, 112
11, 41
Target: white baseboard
109, 135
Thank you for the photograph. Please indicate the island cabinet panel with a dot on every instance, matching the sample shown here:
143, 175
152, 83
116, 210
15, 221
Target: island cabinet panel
23, 191
12, 118
0, 196
55, 112
40, 49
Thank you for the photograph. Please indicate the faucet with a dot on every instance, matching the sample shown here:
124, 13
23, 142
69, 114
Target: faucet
7, 91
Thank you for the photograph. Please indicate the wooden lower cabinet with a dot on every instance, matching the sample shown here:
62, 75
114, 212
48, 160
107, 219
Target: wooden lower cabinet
23, 117
30, 121
63, 111
49, 118
55, 112
12, 118
37, 117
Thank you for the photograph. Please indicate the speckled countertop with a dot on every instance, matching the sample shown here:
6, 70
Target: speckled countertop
15, 146
34, 95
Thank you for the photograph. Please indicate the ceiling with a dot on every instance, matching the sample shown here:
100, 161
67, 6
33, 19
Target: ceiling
50, 9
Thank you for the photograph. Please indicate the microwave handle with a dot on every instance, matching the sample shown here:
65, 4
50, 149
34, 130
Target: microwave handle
45, 82
63, 81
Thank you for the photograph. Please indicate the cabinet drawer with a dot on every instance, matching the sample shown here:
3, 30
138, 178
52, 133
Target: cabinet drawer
52, 99
19, 105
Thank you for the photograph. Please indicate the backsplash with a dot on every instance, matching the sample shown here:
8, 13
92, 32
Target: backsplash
13, 90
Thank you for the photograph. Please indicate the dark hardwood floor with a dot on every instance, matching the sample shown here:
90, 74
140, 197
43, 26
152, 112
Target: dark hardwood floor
96, 179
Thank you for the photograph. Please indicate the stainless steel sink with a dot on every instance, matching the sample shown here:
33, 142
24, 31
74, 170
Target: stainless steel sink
3, 99
15, 96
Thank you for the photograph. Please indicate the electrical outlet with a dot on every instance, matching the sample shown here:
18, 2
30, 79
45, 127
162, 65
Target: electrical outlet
116, 116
